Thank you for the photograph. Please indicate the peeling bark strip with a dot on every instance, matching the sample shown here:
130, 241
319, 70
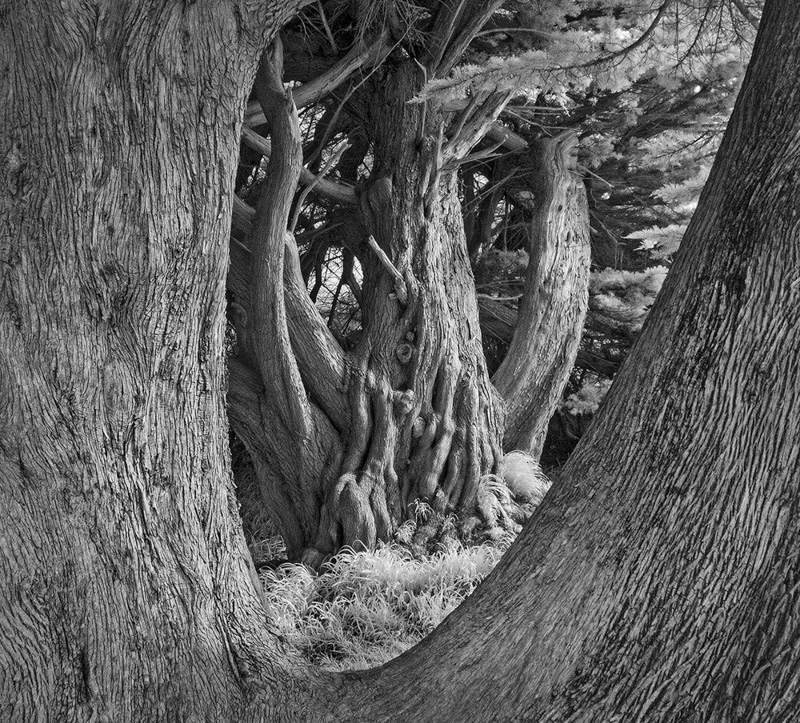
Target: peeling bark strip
550, 321
125, 590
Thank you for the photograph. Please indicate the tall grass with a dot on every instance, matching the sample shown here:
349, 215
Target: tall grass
368, 607
365, 608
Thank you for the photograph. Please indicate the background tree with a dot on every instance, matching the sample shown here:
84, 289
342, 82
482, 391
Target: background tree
407, 412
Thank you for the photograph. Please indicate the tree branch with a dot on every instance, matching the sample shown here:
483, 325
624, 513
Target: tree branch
444, 28
399, 281
336, 154
662, 11
319, 357
330, 189
510, 140
745, 11
315, 90
456, 49
267, 327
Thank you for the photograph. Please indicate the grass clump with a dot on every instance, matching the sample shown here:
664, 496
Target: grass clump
368, 607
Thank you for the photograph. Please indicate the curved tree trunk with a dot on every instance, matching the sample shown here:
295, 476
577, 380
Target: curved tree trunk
126, 592
658, 580
553, 308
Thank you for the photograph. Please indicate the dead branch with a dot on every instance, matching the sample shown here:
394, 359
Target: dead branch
399, 281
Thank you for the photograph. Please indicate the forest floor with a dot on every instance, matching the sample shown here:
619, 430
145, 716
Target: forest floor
365, 608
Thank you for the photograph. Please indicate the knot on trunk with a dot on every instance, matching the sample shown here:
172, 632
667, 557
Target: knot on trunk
404, 352
403, 401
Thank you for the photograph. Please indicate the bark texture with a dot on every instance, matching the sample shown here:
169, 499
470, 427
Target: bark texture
126, 590
348, 439
659, 581
553, 308
407, 415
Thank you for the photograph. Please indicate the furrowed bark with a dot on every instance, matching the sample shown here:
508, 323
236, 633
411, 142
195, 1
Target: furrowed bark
553, 307
126, 590
319, 357
412, 405
425, 419
657, 583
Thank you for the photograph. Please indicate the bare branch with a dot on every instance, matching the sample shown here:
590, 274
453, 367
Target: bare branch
455, 50
328, 33
484, 155
510, 140
399, 281
474, 124
336, 154
330, 189
746, 12
314, 90
444, 27
641, 40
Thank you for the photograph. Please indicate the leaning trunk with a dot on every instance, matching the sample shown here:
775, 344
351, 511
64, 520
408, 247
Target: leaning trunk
658, 580
553, 307
126, 594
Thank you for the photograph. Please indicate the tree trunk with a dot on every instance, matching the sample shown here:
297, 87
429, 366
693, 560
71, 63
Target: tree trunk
407, 416
346, 445
658, 580
126, 591
553, 307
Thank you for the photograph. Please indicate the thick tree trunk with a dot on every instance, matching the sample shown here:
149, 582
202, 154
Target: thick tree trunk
553, 307
408, 415
658, 581
426, 347
126, 592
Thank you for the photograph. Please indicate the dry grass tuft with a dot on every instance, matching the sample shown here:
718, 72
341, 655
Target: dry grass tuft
368, 607
524, 477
